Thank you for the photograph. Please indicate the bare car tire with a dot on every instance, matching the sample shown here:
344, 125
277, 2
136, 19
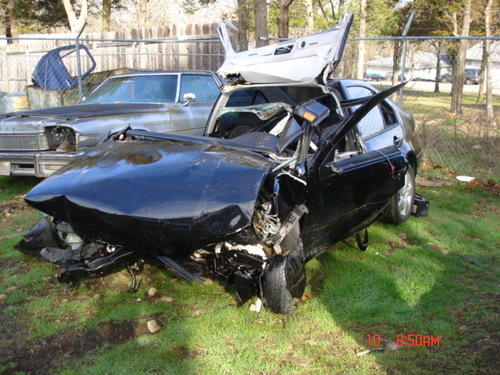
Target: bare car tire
401, 204
284, 279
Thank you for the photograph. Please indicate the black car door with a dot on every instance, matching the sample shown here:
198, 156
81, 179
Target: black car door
349, 185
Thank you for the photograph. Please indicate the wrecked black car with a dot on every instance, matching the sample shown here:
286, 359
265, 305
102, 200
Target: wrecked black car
283, 171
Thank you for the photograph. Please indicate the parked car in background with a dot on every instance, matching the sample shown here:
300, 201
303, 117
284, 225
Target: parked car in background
446, 78
389, 76
289, 164
39, 142
472, 77
374, 77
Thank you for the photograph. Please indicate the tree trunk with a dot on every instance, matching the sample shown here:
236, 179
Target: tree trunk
75, 23
396, 68
143, 12
482, 72
242, 25
261, 28
437, 78
283, 18
106, 15
340, 12
11, 24
362, 34
489, 64
309, 17
457, 89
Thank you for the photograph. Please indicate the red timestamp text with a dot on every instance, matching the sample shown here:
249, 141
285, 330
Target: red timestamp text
406, 340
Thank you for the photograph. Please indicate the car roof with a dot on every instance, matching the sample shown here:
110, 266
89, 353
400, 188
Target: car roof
164, 72
302, 60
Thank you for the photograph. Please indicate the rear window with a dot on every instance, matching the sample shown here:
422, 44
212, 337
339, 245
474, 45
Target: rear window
472, 72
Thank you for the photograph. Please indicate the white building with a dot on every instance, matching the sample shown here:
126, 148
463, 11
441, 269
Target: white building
420, 66
474, 57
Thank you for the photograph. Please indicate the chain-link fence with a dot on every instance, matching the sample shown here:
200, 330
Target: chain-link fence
52, 70
465, 144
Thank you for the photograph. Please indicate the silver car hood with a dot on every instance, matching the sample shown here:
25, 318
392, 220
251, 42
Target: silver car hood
304, 60
38, 119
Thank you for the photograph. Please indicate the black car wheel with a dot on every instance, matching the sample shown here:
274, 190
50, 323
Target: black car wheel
401, 204
444, 80
283, 281
468, 81
284, 278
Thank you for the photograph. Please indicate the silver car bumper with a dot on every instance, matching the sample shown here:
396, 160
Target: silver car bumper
39, 164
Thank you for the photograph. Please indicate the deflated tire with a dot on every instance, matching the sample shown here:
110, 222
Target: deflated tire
283, 280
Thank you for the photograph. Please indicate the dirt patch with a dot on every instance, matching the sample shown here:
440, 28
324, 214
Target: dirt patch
488, 186
13, 206
184, 353
403, 241
44, 354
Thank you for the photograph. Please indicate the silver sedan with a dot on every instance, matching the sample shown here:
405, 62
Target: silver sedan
39, 142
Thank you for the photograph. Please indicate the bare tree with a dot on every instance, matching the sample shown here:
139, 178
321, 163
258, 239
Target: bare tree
488, 62
457, 89
106, 15
242, 25
75, 23
261, 27
309, 16
362, 34
282, 20
11, 24
143, 12
437, 78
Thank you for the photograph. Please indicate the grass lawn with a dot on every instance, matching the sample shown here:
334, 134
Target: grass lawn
432, 281
433, 276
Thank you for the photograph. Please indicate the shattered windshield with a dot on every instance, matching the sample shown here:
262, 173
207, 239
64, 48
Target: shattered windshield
263, 111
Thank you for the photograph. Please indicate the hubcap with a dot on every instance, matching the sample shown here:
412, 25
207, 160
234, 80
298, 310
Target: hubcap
405, 196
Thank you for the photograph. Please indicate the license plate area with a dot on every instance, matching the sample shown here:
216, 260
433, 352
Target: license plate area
4, 168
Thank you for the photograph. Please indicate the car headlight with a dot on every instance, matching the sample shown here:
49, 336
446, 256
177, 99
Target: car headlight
60, 138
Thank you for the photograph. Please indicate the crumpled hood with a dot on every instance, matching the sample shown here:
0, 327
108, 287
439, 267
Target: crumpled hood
185, 194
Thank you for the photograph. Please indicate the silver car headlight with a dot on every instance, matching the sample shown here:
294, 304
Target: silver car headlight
60, 138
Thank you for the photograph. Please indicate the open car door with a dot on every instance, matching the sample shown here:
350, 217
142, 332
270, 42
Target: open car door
308, 59
348, 184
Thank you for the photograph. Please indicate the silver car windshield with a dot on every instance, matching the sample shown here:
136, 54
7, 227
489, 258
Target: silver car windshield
136, 89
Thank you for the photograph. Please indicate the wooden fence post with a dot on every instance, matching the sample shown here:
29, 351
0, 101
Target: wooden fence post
5, 71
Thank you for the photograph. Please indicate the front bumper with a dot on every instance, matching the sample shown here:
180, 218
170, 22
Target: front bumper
38, 164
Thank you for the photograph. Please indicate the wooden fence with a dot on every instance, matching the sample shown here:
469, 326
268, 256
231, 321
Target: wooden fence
170, 47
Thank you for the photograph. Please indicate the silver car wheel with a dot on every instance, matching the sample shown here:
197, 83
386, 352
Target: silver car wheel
401, 204
406, 195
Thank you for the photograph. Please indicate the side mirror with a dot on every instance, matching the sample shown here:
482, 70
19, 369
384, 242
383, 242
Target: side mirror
188, 98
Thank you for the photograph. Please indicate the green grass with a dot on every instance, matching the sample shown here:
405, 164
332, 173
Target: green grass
430, 103
434, 276
11, 187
